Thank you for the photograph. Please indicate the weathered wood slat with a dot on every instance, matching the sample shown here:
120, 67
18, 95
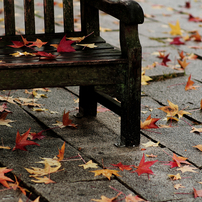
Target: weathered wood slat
29, 17
9, 17
61, 76
49, 16
68, 16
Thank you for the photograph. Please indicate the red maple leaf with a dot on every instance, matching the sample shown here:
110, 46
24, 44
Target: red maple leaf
144, 167
122, 167
197, 193
45, 55
21, 141
3, 178
38, 135
149, 123
194, 19
172, 164
176, 41
19, 44
65, 45
165, 60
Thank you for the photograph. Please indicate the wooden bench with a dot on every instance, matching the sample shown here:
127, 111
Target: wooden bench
86, 68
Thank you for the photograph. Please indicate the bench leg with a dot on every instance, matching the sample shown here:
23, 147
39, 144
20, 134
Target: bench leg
87, 101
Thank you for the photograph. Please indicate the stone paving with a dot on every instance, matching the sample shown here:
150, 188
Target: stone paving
94, 138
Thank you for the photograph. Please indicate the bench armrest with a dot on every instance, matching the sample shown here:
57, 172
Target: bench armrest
128, 11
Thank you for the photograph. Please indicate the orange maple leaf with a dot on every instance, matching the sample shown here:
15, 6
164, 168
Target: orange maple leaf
66, 121
21, 141
122, 167
196, 36
19, 44
181, 54
183, 63
179, 159
106, 172
61, 152
3, 178
149, 123
189, 85
38, 43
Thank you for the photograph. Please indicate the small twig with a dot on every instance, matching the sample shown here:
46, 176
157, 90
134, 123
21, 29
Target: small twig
81, 158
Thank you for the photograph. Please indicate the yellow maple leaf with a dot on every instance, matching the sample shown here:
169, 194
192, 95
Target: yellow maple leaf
175, 29
44, 180
92, 45
145, 78
187, 168
106, 172
77, 39
89, 164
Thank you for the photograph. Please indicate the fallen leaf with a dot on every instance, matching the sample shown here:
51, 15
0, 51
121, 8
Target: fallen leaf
143, 167
89, 164
44, 180
105, 199
34, 109
106, 172
131, 198
197, 193
145, 79
177, 186
38, 135
172, 110
65, 46
175, 29
8, 99
38, 43
102, 109
149, 123
76, 39
151, 155
175, 177
189, 84
179, 160
183, 63
65, 121
196, 130
198, 147
35, 171
150, 144
19, 44
3, 178
4, 121
122, 167
165, 60
61, 152
194, 19
4, 147
176, 41
196, 36
46, 56
21, 141
187, 168
88, 45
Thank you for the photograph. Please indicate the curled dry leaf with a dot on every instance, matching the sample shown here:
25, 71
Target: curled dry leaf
4, 121
177, 186
174, 177
44, 180
61, 152
196, 130
151, 144
198, 147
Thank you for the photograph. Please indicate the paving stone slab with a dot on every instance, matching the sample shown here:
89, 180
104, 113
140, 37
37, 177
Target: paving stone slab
180, 140
171, 89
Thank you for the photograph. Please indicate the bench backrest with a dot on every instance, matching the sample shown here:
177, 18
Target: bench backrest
89, 17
